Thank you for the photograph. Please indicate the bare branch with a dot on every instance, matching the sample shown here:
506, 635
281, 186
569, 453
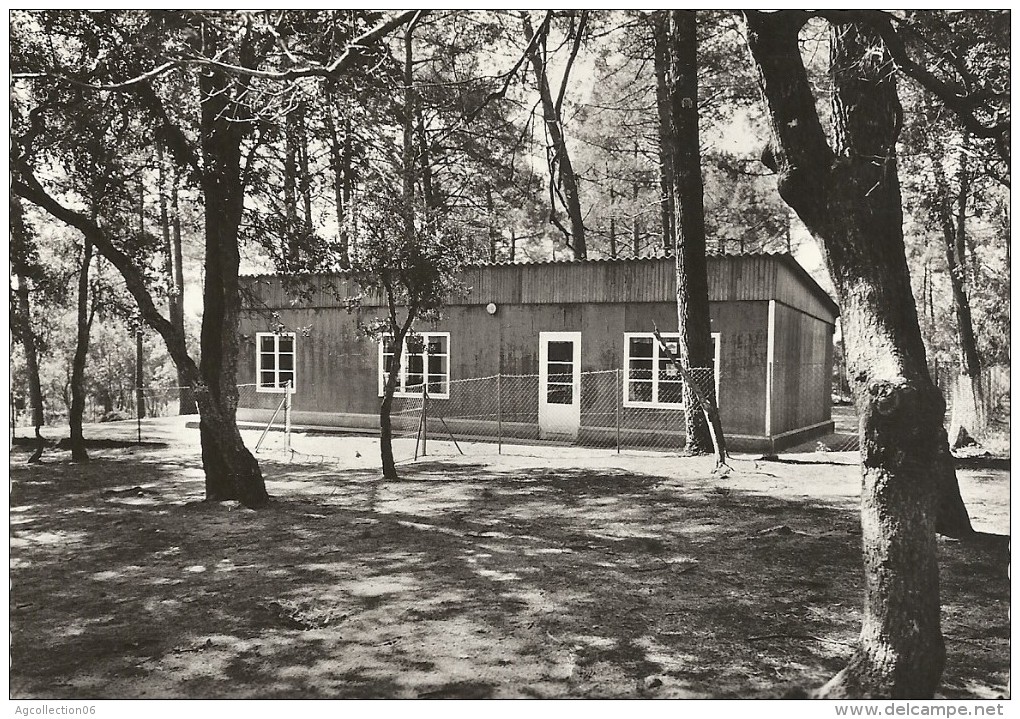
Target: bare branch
570, 61
961, 103
26, 185
116, 86
355, 50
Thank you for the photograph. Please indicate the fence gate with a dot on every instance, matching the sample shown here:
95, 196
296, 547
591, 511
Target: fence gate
559, 385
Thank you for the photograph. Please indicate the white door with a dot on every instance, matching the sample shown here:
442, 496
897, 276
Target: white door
559, 385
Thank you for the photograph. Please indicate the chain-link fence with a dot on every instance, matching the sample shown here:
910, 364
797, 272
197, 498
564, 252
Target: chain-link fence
119, 404
499, 413
512, 412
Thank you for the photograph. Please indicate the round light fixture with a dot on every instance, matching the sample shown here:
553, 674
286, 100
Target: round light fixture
491, 308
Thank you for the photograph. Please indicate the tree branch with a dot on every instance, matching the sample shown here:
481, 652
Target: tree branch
570, 61
507, 79
354, 52
962, 104
116, 86
177, 142
799, 151
26, 185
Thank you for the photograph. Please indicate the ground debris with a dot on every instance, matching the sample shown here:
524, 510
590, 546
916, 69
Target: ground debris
597, 586
299, 615
132, 491
679, 565
652, 682
207, 644
778, 530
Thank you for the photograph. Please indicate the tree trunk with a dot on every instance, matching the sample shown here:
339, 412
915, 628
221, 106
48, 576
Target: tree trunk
695, 345
968, 396
613, 250
291, 247
35, 397
849, 199
172, 237
491, 221
561, 170
304, 177
84, 325
139, 372
430, 192
20, 265
399, 334
231, 471
660, 46
635, 192
399, 331
389, 467
340, 152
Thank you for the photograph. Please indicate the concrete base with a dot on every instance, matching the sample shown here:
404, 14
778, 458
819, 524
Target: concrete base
523, 432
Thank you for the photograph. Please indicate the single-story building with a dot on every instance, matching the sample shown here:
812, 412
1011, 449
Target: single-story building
553, 350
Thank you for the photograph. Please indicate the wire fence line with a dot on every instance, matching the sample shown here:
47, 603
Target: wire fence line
511, 412
481, 415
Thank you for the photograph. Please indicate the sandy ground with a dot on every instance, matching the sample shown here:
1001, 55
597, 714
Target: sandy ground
541, 572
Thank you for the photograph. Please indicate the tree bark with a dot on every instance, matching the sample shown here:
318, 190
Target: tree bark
291, 247
175, 267
613, 250
491, 221
849, 198
635, 196
398, 331
231, 471
389, 467
684, 150
341, 154
967, 419
561, 170
84, 325
35, 398
20, 265
660, 47
139, 372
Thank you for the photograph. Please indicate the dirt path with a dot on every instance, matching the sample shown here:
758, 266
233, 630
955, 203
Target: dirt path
577, 574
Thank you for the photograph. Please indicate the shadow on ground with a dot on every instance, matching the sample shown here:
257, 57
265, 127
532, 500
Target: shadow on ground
459, 581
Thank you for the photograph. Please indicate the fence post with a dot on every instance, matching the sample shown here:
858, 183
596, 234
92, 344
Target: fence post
499, 413
619, 391
424, 419
286, 418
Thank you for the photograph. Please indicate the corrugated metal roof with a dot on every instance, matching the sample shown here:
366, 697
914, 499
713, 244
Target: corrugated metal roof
644, 258
648, 284
533, 263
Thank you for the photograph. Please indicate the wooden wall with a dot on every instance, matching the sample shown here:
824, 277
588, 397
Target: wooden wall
802, 370
337, 368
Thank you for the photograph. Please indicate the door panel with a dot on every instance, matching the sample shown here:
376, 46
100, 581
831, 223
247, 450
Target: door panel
559, 400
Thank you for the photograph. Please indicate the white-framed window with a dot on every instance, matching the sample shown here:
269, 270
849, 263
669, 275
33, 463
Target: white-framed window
424, 362
274, 361
650, 379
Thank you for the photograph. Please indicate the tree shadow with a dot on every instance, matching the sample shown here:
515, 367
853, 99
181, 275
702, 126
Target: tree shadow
462, 581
